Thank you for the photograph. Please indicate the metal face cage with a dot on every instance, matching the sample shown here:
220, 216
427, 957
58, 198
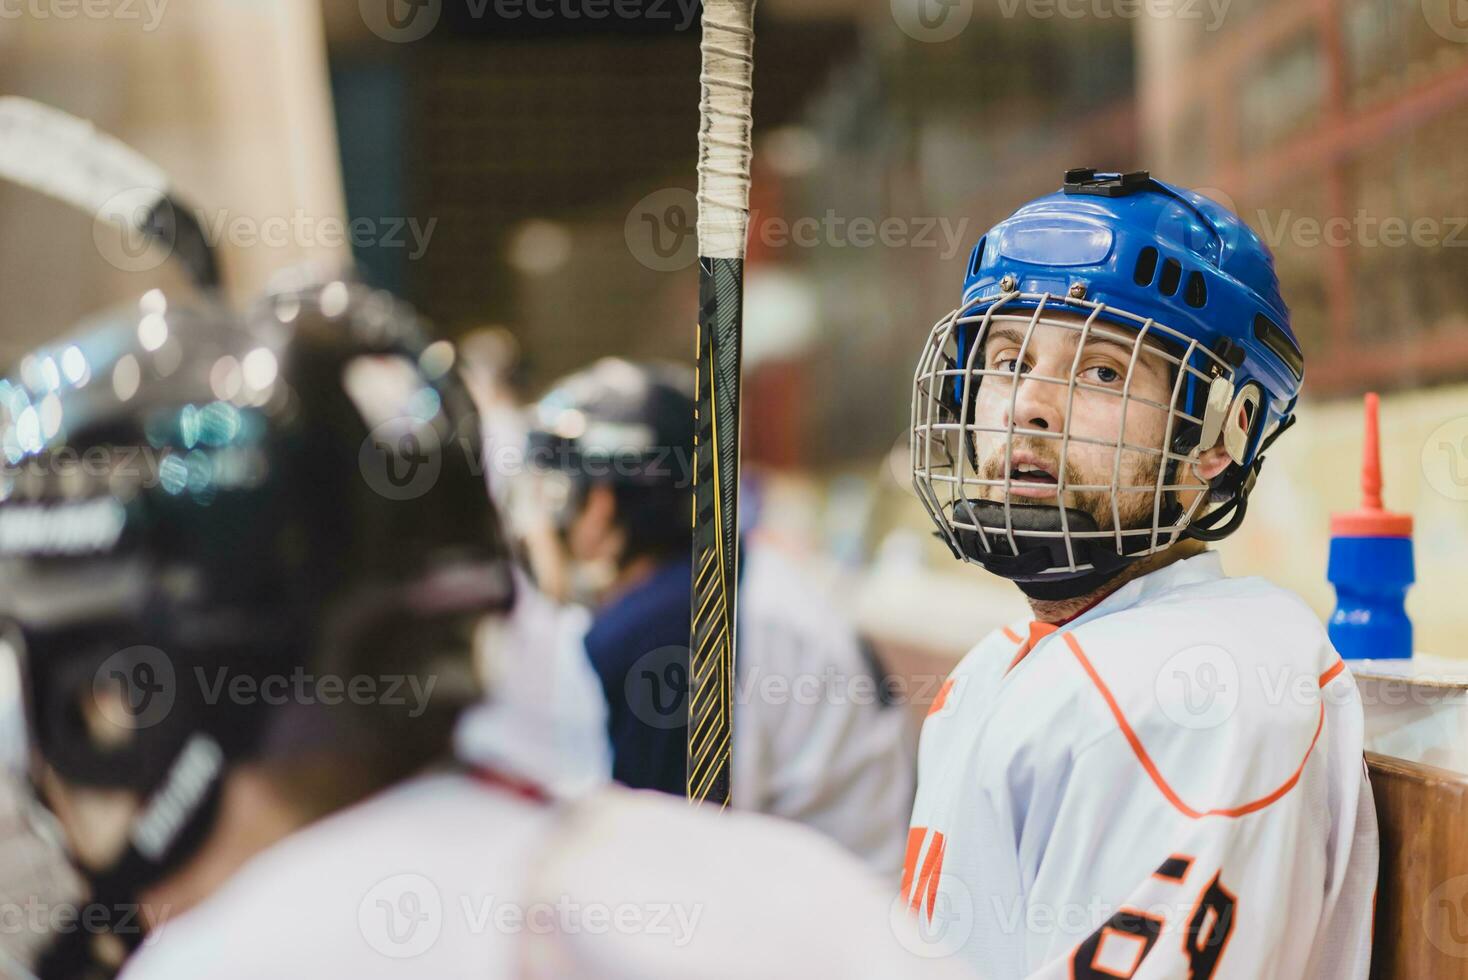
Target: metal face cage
979, 517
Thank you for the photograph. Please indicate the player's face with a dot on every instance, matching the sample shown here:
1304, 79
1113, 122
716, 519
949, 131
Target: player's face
1032, 393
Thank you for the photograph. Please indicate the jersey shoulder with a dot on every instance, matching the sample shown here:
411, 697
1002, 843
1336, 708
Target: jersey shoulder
1215, 689
728, 876
994, 655
352, 894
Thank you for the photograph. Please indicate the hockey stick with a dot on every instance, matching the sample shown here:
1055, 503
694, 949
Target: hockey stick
68, 159
723, 216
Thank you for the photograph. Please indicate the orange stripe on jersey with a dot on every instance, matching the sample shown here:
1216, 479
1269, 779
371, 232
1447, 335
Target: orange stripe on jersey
1146, 760
1329, 675
927, 883
909, 862
1013, 636
1038, 632
942, 697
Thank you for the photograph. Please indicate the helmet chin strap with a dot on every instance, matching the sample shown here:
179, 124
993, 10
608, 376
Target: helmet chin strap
167, 831
1037, 548
1070, 588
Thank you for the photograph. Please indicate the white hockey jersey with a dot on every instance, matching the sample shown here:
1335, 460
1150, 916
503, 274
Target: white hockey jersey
458, 877
1171, 785
545, 719
814, 740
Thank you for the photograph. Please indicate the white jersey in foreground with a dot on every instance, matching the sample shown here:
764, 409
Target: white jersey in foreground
1171, 785
458, 877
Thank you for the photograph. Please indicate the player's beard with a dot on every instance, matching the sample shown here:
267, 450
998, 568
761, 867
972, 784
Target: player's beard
1137, 470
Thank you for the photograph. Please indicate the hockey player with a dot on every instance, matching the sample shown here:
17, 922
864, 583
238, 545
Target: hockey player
1159, 775
815, 740
239, 566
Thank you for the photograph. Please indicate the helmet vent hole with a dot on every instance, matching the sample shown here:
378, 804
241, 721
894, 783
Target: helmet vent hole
1196, 293
978, 258
1172, 274
1146, 266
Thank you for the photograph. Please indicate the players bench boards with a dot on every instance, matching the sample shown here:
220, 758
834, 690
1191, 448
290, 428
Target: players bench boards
1417, 755
1422, 889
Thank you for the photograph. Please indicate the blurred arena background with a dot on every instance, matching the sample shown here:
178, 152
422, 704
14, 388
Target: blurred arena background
528, 165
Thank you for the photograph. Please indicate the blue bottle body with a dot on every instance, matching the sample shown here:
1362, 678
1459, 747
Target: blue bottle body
1371, 576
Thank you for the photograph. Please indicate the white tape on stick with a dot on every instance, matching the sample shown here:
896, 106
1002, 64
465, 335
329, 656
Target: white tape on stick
724, 130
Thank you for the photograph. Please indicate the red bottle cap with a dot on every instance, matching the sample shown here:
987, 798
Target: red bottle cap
1371, 521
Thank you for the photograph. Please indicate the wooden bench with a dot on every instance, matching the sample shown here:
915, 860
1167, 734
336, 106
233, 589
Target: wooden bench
1422, 892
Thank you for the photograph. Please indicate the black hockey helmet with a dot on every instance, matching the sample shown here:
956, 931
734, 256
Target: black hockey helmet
188, 499
625, 425
618, 422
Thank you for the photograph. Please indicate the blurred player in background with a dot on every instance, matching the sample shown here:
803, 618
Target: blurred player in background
549, 710
1164, 768
243, 629
815, 739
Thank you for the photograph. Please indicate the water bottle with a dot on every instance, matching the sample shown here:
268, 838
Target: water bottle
1371, 566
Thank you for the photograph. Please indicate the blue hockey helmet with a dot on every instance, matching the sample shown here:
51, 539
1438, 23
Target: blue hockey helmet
1181, 272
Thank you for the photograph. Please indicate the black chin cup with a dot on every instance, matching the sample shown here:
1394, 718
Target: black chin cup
1040, 553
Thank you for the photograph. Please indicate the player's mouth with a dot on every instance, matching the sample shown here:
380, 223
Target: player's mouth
1028, 477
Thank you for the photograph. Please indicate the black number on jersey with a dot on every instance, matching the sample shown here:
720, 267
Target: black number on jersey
1209, 929
1126, 923
1207, 934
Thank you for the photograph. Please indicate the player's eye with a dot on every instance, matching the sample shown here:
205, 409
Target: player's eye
1104, 374
1009, 364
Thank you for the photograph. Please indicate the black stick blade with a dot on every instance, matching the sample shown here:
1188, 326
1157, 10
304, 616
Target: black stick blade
715, 530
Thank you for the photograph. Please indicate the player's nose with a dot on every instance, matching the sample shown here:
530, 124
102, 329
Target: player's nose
1039, 403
